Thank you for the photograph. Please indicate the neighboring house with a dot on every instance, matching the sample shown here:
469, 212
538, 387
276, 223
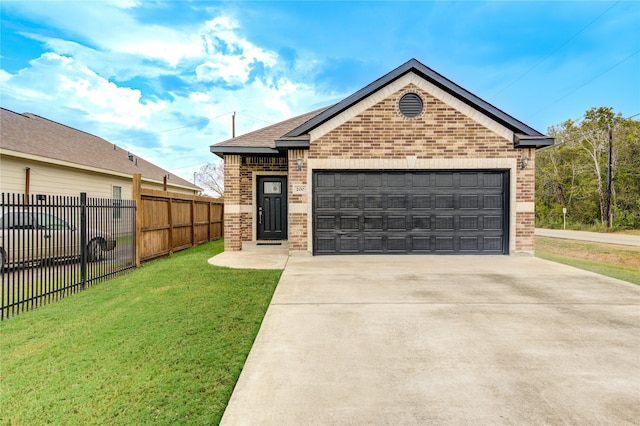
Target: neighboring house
40, 156
411, 163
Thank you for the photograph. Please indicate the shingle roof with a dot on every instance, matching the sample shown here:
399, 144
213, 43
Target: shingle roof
265, 138
31, 134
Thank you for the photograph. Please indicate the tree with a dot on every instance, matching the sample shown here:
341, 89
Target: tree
211, 178
573, 173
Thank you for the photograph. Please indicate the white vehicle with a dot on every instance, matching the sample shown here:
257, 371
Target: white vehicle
32, 236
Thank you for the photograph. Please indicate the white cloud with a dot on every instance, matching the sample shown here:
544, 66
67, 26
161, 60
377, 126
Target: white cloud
61, 80
199, 97
227, 56
76, 83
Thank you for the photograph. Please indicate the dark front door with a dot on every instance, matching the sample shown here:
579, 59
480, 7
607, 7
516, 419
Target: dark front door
272, 208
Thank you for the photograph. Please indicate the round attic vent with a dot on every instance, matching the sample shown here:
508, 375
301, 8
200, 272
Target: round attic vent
410, 105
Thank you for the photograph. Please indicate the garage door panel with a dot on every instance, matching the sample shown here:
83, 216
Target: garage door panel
492, 180
421, 201
444, 223
493, 244
469, 180
348, 180
444, 180
469, 243
350, 202
421, 180
373, 180
373, 244
410, 212
350, 223
396, 180
444, 201
325, 181
492, 223
396, 223
372, 202
325, 245
469, 223
326, 223
326, 202
397, 244
444, 244
469, 201
349, 244
396, 201
421, 223
492, 202
421, 244
373, 223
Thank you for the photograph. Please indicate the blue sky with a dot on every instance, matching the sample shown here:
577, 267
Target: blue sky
162, 79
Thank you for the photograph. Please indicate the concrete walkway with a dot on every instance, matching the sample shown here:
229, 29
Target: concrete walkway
448, 340
255, 255
598, 237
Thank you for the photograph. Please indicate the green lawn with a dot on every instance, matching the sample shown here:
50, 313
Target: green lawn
613, 271
617, 261
162, 345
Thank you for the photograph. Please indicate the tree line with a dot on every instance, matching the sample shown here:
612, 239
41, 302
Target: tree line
573, 173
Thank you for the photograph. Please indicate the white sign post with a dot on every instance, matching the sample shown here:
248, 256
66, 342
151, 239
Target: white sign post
564, 218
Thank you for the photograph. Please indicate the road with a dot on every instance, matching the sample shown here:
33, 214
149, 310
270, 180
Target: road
620, 239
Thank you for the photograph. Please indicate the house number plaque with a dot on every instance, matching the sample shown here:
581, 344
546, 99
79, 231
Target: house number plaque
299, 189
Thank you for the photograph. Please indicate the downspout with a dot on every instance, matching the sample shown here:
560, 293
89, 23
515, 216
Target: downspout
27, 181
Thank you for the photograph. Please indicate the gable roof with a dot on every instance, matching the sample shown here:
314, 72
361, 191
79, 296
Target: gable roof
37, 136
431, 76
524, 136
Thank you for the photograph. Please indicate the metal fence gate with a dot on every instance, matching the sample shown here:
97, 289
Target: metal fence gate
54, 246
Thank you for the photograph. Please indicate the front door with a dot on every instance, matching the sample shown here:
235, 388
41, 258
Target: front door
272, 208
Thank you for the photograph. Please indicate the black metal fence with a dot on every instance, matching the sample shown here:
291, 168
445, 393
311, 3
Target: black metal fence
54, 246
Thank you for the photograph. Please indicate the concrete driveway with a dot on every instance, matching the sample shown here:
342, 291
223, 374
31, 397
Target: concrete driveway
408, 340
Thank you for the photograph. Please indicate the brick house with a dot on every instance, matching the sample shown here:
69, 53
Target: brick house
411, 163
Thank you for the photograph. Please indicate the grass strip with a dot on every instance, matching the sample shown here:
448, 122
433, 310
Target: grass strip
613, 261
162, 345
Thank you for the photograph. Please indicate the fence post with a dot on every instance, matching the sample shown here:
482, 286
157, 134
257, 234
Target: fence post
193, 222
136, 194
170, 216
83, 240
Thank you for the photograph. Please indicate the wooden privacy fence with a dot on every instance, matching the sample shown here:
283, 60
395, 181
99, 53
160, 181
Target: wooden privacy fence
167, 222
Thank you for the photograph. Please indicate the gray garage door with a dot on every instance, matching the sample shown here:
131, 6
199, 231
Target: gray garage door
439, 212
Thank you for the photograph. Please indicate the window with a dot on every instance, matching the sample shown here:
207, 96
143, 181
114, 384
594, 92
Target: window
272, 188
51, 223
117, 202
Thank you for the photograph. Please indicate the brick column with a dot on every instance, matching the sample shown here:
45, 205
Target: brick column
298, 203
525, 197
232, 222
